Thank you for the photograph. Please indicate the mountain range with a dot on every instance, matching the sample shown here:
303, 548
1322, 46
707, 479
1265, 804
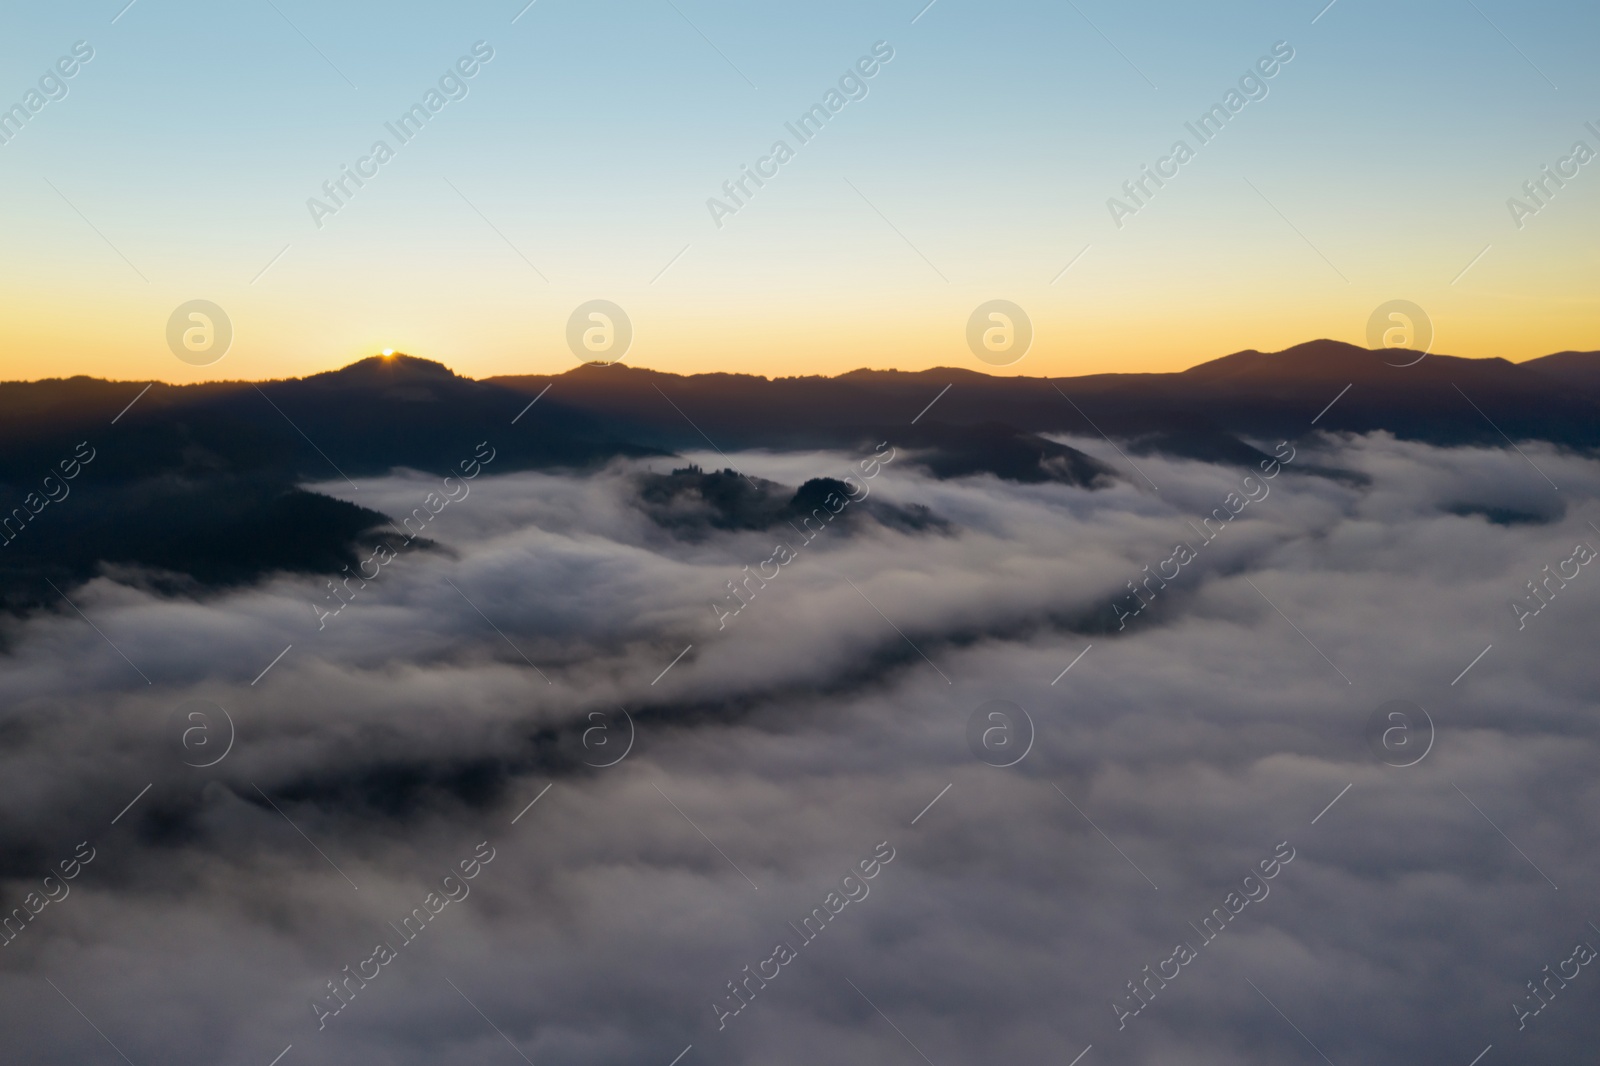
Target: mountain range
200, 485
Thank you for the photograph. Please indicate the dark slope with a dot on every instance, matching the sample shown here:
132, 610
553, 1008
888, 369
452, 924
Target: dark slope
694, 504
948, 451
1580, 370
180, 534
368, 418
200, 480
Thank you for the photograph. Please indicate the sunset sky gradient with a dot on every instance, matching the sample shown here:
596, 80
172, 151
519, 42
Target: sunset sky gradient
977, 167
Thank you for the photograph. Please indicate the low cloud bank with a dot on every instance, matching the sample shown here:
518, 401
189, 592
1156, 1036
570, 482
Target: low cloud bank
664, 796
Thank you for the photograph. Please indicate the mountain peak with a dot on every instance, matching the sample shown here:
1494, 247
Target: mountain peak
1310, 359
396, 366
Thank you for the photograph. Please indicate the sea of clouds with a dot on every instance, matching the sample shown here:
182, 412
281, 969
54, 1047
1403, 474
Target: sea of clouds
554, 628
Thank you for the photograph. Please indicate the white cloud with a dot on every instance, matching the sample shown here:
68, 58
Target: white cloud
1207, 732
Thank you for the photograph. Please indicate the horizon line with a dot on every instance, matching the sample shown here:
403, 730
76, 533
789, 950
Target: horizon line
394, 355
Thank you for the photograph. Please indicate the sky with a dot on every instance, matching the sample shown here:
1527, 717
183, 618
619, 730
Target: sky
977, 166
738, 768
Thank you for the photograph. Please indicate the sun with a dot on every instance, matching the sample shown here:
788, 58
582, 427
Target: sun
387, 352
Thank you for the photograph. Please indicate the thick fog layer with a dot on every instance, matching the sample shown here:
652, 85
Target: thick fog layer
785, 821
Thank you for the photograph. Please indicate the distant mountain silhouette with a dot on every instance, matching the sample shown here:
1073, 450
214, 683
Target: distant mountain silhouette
1201, 412
1580, 370
203, 481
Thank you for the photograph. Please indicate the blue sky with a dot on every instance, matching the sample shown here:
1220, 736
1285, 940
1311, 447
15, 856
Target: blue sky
987, 148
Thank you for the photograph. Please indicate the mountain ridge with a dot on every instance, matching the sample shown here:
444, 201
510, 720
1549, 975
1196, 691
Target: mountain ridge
208, 480
371, 366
